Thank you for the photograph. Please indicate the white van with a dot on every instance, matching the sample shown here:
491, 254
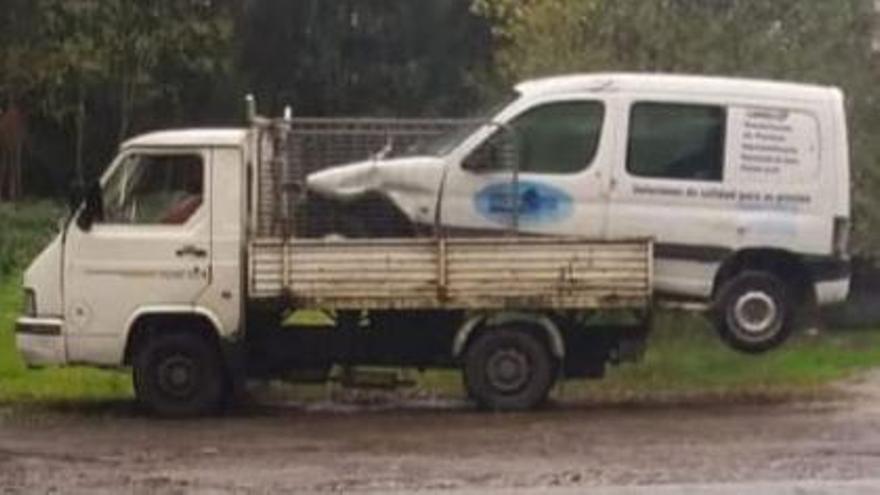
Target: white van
743, 184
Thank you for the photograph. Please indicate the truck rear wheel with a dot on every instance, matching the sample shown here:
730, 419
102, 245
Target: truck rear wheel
508, 369
754, 312
179, 375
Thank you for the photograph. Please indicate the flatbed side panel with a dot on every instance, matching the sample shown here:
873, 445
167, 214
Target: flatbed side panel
453, 273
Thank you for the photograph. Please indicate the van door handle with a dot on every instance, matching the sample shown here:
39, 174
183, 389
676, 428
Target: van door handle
191, 250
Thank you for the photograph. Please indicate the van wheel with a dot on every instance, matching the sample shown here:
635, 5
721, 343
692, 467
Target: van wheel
179, 375
508, 369
753, 312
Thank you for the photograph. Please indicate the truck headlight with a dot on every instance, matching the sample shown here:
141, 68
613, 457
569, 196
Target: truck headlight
30, 303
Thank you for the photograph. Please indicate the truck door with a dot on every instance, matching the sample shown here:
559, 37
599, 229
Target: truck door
559, 150
149, 246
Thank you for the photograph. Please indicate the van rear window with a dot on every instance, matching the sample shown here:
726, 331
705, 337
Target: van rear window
676, 141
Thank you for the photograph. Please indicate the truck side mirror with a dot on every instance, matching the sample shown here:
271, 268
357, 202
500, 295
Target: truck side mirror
94, 207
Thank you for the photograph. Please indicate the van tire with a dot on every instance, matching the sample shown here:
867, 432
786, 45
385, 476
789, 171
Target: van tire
753, 312
179, 375
508, 369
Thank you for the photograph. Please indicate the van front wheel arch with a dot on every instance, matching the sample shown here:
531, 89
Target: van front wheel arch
754, 311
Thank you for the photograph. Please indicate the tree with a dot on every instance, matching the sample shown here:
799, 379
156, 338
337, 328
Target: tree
18, 71
131, 64
357, 57
132, 53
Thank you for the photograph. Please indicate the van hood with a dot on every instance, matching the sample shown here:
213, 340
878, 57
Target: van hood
412, 183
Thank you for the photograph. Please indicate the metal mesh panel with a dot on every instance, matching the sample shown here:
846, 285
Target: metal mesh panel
291, 150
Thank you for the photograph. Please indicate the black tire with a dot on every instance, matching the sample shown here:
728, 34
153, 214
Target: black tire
754, 312
179, 375
508, 369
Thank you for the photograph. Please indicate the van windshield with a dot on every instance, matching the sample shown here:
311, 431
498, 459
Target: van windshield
444, 143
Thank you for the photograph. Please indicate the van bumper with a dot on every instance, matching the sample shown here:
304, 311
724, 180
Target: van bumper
832, 277
40, 341
832, 291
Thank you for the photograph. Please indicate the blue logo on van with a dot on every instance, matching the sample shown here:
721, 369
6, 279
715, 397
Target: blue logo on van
538, 203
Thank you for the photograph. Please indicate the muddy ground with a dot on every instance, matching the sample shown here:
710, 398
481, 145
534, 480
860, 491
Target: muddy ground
432, 445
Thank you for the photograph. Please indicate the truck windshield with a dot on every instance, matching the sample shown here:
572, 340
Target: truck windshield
444, 143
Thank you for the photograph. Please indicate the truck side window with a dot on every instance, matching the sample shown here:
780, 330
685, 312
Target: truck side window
676, 141
556, 138
154, 189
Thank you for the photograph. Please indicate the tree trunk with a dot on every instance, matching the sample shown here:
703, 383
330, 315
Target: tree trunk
123, 111
80, 131
4, 175
15, 164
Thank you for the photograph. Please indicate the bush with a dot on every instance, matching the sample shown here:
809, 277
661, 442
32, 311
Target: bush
25, 228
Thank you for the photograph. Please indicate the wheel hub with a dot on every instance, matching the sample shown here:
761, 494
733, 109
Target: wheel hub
755, 312
508, 370
177, 376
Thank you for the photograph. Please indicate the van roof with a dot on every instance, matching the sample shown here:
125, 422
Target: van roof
674, 83
188, 138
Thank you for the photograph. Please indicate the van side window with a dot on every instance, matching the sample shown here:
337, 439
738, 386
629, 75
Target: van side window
556, 138
676, 141
154, 190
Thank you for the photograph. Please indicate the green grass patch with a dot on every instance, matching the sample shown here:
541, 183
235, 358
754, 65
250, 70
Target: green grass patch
686, 360
686, 363
24, 229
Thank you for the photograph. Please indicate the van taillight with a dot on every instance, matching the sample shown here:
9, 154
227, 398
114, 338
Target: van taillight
842, 227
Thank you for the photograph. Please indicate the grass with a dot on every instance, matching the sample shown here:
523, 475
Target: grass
24, 229
685, 359
686, 363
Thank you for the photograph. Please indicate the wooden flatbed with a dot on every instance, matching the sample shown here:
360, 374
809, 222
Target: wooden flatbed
454, 273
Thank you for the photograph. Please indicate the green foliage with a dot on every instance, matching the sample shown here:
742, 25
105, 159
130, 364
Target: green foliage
129, 48
25, 228
356, 57
819, 41
96, 70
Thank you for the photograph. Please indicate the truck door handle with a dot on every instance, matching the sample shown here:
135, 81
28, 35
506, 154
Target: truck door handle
191, 250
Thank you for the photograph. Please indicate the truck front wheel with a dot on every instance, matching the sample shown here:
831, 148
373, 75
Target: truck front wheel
754, 312
179, 375
508, 369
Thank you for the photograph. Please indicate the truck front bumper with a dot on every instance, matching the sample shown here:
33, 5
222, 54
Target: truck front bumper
40, 341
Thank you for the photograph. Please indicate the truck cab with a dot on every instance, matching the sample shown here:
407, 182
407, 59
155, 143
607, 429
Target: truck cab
162, 233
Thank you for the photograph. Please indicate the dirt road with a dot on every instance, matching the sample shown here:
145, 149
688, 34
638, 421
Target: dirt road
325, 448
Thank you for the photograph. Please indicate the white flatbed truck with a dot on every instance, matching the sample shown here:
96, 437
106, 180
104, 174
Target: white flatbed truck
185, 263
